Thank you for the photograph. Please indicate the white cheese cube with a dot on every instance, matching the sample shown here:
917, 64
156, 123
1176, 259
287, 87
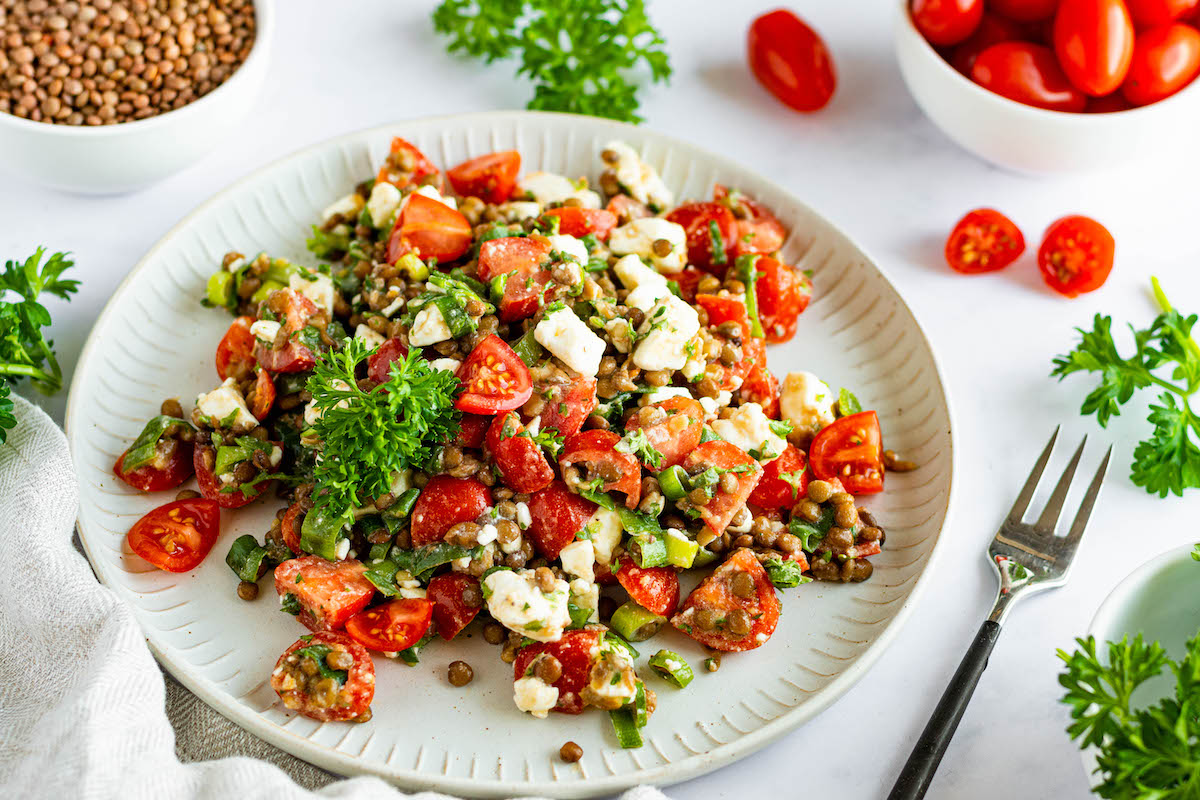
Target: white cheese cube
569, 338
429, 327
638, 238
750, 429
586, 595
569, 246
433, 194
316, 286
383, 204
348, 206
577, 559
265, 330
633, 273
547, 188
638, 178
516, 602
446, 364
534, 695
661, 393
518, 210
620, 333
605, 530
664, 336
806, 401
369, 336
226, 402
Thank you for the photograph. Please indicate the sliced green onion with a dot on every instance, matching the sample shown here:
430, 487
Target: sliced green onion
625, 726
673, 482
599, 498
641, 711
243, 449
528, 349
671, 666
404, 503
320, 533
383, 577
263, 291
634, 623
704, 558
145, 447
681, 551
496, 287
747, 269
281, 271
616, 640
220, 291
247, 558
708, 435
648, 550
785, 574
379, 552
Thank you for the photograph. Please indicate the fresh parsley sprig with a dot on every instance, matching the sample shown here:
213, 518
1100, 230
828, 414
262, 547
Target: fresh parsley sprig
366, 437
1165, 356
25, 352
579, 55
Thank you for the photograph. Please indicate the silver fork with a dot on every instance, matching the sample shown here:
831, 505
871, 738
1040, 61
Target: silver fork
1028, 558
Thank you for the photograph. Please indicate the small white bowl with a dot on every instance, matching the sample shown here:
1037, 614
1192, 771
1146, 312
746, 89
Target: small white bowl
109, 159
1034, 140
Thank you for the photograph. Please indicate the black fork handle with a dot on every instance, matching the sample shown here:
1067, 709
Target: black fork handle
923, 762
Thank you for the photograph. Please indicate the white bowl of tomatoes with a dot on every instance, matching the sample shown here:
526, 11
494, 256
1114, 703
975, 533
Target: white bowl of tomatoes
1055, 86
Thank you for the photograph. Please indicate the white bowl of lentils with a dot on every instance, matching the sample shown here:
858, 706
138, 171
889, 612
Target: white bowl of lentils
107, 96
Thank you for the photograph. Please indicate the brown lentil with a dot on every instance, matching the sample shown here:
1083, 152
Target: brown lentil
661, 247
493, 633
820, 491
742, 585
570, 752
187, 494
892, 462
248, 590
846, 515
547, 669
172, 408
545, 579
459, 673
729, 483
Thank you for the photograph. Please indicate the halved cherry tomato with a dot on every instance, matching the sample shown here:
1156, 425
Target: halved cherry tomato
430, 229
556, 516
993, 29
675, 436
784, 481
1152, 13
1109, 104
171, 467
791, 60
946, 22
688, 279
1029, 74
456, 600
697, 220
851, 450
264, 395
353, 697
1093, 40
519, 459
1023, 10
579, 222
983, 241
407, 165
203, 459
472, 430
529, 281
574, 655
235, 353
329, 592
762, 387
445, 502
626, 209
757, 230
491, 178
723, 309
392, 626
596, 451
494, 379
177, 536
289, 527
293, 356
1165, 59
759, 612
783, 294
1076, 255
379, 363
567, 404
653, 588
724, 456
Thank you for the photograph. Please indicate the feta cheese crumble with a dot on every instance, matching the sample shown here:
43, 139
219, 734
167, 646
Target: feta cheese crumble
547, 188
535, 696
750, 429
429, 327
569, 338
226, 402
807, 401
638, 238
516, 602
664, 336
316, 286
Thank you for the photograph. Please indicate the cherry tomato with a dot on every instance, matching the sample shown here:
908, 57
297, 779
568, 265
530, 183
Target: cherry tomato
235, 353
1152, 13
472, 430
946, 22
494, 379
725, 456
993, 29
851, 450
579, 222
329, 592
761, 609
1076, 255
757, 230
430, 229
1093, 40
293, 356
556, 516
784, 481
1029, 74
263, 395
1109, 104
1165, 59
379, 363
392, 626
177, 536
676, 435
573, 652
762, 387
1023, 10
525, 261
653, 588
407, 165
567, 404
791, 60
983, 241
519, 459
729, 309
353, 697
596, 451
491, 178
289, 527
445, 502
203, 461
688, 279
783, 293
456, 601
697, 220
171, 467
626, 209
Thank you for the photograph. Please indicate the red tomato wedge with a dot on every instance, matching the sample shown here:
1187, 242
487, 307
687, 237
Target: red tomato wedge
993, 29
579, 222
946, 22
1165, 59
1152, 13
289, 527
851, 450
177, 536
983, 241
715, 594
556, 516
762, 387
429, 229
677, 435
494, 379
293, 356
456, 601
730, 309
445, 502
235, 353
472, 430
203, 458
626, 209
1093, 40
725, 456
491, 178
392, 626
567, 404
524, 261
406, 165
698, 220
519, 459
757, 230
783, 294
329, 592
165, 472
595, 450
264, 395
379, 363
354, 696
784, 481
688, 280
654, 589
1023, 10
1029, 74
791, 60
1076, 255
574, 654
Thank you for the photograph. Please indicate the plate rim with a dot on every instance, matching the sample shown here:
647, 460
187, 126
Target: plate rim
674, 772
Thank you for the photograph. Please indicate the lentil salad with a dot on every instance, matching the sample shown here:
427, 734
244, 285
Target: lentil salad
607, 419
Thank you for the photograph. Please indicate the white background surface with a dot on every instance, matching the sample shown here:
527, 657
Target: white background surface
876, 167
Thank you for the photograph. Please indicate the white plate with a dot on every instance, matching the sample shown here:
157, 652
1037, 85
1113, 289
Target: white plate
154, 340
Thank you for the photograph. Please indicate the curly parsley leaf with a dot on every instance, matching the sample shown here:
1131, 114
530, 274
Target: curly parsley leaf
8, 419
580, 56
636, 443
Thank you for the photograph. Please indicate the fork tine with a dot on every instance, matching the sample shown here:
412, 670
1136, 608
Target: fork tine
1049, 518
1022, 505
1085, 509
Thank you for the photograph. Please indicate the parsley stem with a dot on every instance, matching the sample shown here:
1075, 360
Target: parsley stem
54, 383
1160, 296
